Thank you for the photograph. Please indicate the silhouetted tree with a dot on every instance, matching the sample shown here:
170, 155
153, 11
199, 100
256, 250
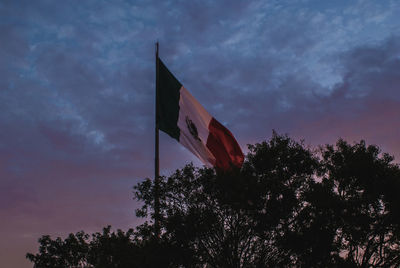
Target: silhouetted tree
71, 252
365, 185
337, 206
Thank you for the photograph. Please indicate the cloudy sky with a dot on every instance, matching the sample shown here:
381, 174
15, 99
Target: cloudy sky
77, 94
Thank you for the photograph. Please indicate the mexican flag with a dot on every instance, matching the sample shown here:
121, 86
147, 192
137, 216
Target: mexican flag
182, 117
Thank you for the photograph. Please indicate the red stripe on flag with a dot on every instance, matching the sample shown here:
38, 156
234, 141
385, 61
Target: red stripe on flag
223, 146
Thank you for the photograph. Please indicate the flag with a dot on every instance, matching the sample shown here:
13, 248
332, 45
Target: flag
182, 117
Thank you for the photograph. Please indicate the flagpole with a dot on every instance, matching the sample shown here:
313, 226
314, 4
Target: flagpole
157, 160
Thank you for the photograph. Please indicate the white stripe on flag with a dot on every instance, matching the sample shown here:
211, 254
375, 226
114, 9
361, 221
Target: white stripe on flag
193, 122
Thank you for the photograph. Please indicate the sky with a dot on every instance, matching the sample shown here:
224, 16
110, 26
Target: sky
77, 90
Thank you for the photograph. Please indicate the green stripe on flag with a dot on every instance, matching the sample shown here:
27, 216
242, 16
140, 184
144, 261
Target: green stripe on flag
168, 102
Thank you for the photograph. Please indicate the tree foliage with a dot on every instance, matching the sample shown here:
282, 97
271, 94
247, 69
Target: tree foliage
288, 205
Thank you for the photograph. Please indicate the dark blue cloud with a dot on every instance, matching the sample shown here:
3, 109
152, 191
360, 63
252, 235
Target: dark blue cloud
77, 93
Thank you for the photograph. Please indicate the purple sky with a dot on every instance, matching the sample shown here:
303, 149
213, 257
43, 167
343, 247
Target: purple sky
77, 94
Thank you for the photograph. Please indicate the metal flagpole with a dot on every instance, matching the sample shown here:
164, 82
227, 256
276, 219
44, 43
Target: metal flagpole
157, 161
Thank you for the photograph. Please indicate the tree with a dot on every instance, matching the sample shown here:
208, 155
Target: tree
365, 185
106, 249
236, 218
287, 206
72, 252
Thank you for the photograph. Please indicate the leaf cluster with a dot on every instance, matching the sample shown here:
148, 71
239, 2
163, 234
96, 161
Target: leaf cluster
288, 206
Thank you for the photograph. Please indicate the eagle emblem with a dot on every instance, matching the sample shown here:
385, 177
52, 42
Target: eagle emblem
192, 128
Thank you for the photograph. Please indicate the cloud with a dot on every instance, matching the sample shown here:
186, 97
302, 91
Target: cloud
77, 93
363, 106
